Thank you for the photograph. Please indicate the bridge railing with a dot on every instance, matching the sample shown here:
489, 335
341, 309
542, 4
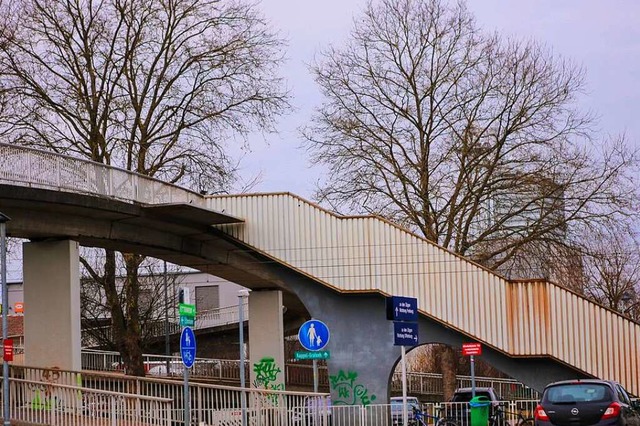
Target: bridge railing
42, 169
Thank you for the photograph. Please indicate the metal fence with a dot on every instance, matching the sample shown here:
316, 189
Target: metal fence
38, 402
52, 396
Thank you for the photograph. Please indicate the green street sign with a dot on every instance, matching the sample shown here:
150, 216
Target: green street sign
304, 355
187, 310
187, 321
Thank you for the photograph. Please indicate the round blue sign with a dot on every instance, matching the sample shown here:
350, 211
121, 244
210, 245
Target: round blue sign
313, 335
188, 347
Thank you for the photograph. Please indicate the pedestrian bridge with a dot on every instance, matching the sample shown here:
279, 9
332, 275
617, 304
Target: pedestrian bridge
333, 267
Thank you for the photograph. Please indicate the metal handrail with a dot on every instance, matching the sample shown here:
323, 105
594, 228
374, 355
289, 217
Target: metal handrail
46, 169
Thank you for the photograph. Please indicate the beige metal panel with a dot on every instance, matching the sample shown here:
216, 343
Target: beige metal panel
354, 254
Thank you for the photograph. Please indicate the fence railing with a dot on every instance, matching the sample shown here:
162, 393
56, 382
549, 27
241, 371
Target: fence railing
52, 396
210, 318
49, 170
208, 404
225, 370
44, 402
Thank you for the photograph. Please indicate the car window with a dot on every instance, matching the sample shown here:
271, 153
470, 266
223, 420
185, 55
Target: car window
622, 394
466, 396
578, 392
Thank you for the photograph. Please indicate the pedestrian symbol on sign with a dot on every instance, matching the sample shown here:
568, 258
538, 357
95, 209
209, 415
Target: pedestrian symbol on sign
313, 335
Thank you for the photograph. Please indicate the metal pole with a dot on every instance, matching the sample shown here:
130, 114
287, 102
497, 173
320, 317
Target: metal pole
315, 376
242, 294
187, 399
473, 378
405, 414
167, 345
5, 324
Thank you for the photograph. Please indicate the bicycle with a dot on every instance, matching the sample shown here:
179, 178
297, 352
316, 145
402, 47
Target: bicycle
420, 417
497, 418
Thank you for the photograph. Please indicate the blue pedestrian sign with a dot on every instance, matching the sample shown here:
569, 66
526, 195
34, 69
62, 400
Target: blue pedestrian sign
188, 347
313, 335
402, 308
405, 333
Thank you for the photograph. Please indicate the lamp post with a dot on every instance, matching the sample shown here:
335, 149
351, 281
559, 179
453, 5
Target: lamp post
5, 324
242, 295
167, 344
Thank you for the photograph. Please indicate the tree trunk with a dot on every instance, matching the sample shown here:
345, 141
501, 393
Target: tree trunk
449, 358
125, 318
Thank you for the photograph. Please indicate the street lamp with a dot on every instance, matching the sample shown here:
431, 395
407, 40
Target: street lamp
242, 295
5, 307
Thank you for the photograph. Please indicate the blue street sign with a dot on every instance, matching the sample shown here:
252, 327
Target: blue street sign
405, 333
402, 308
313, 335
188, 347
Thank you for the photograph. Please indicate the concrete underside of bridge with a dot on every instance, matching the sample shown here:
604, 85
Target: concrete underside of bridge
362, 353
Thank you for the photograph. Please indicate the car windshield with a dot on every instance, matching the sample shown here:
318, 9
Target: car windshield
466, 396
578, 392
396, 405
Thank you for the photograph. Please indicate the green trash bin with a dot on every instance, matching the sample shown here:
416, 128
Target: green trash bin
479, 408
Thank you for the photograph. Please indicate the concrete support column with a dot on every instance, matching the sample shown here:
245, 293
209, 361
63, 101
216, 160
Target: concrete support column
52, 305
266, 340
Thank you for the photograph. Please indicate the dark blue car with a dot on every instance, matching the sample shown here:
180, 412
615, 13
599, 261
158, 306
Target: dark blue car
586, 403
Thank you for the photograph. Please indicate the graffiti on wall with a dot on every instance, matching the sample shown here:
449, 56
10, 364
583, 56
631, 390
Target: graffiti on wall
267, 374
348, 391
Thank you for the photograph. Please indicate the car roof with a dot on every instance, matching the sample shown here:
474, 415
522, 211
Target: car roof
586, 381
481, 389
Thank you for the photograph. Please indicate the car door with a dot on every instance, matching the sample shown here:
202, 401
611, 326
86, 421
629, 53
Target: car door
628, 411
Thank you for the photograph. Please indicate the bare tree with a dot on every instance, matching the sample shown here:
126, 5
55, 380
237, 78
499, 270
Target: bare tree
158, 87
157, 300
471, 140
611, 267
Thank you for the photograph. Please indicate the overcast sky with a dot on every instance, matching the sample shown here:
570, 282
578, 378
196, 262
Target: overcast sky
601, 35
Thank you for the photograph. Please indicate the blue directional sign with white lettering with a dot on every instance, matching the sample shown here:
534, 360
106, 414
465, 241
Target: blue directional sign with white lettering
402, 308
313, 335
188, 347
405, 333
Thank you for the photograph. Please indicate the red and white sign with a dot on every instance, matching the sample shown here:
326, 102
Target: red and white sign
471, 349
8, 349
19, 307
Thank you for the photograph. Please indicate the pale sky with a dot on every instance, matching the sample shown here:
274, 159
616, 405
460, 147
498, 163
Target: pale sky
601, 35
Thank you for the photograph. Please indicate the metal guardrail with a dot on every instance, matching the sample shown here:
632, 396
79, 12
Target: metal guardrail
209, 404
38, 402
42, 169
211, 318
225, 370
52, 396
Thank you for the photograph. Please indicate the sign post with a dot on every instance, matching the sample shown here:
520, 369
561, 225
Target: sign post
472, 349
5, 321
403, 311
188, 354
314, 336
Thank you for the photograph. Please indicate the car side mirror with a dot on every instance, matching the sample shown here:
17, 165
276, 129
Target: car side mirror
635, 403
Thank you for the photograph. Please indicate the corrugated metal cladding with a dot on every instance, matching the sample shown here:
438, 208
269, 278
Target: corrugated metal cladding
365, 253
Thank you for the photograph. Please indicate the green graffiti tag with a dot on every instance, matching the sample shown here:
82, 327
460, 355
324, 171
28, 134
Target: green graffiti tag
349, 392
267, 377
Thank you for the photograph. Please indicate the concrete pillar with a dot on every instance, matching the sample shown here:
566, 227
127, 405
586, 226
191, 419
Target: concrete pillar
266, 340
52, 305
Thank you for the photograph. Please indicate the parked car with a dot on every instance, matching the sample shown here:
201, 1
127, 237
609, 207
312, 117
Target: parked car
397, 409
459, 409
585, 403
316, 411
